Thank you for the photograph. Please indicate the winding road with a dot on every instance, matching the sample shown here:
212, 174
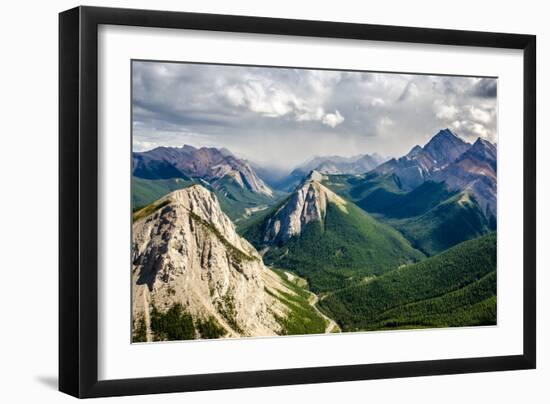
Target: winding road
331, 326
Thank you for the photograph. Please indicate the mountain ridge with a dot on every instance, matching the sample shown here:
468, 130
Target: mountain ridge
207, 163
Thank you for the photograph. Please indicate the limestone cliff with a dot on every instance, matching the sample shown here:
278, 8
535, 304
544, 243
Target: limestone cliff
186, 251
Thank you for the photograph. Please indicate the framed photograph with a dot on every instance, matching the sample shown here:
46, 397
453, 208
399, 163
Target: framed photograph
251, 201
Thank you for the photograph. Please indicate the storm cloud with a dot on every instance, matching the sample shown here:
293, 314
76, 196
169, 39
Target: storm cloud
282, 117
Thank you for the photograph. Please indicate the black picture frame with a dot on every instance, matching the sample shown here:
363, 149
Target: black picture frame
78, 201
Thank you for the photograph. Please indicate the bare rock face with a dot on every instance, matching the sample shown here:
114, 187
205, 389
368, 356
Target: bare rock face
187, 251
307, 204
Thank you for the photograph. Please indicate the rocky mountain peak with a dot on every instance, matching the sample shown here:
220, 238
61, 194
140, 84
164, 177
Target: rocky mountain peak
445, 147
307, 204
421, 163
186, 251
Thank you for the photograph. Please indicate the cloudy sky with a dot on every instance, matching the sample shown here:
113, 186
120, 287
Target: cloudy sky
282, 117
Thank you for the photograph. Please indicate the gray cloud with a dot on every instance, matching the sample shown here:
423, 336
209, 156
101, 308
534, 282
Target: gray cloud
284, 116
485, 88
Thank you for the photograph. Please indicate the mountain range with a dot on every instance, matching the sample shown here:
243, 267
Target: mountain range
374, 244
359, 164
207, 163
165, 169
447, 158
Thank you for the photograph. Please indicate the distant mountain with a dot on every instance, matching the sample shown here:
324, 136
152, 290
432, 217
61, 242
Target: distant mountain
207, 163
446, 158
452, 289
421, 162
234, 181
445, 147
195, 277
236, 202
326, 239
358, 164
339, 165
148, 167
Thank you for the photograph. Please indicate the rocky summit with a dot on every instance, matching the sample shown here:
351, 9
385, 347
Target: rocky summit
445, 147
186, 251
421, 162
307, 204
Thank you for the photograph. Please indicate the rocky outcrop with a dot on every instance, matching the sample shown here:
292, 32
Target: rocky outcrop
186, 251
307, 204
207, 163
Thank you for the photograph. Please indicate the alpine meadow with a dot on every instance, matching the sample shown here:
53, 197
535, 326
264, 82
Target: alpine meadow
287, 201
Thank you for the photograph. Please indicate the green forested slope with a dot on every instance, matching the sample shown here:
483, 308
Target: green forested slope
234, 199
341, 249
432, 217
401, 204
302, 317
454, 288
146, 191
358, 187
456, 219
